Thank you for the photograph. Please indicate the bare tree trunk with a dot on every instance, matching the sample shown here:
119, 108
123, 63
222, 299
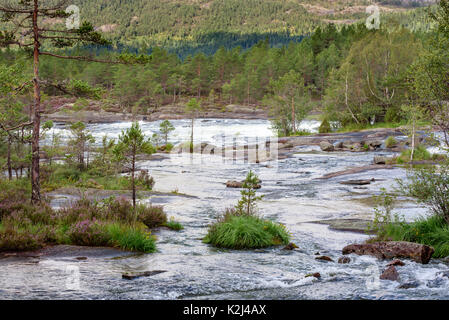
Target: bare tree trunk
346, 100
132, 180
293, 116
9, 159
35, 183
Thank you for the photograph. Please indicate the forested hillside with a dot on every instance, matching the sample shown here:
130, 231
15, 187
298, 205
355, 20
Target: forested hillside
189, 26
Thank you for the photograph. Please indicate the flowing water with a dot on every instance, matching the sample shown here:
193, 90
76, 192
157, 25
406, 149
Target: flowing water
293, 196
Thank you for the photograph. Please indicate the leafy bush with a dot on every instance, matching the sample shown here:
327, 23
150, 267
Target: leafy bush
145, 180
246, 232
429, 186
151, 216
89, 233
13, 238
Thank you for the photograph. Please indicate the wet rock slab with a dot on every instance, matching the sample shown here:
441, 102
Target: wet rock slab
128, 276
392, 249
349, 225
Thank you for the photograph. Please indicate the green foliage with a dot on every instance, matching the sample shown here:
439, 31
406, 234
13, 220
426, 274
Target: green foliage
107, 223
429, 186
165, 128
325, 126
246, 232
390, 142
247, 204
174, 225
419, 154
132, 142
151, 216
132, 238
383, 215
432, 231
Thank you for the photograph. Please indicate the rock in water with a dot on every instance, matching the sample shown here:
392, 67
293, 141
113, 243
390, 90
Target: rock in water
344, 260
396, 262
390, 274
326, 146
393, 249
380, 160
234, 184
315, 275
356, 182
290, 246
324, 258
142, 274
409, 285
239, 185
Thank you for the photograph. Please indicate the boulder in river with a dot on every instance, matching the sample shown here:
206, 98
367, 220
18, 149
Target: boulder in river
409, 285
315, 275
356, 182
390, 274
396, 262
326, 146
239, 185
380, 160
344, 260
234, 184
324, 258
392, 249
142, 274
290, 246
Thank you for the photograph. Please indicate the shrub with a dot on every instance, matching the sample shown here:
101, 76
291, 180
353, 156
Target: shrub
145, 180
325, 126
132, 238
246, 232
429, 186
151, 216
13, 238
390, 142
120, 210
89, 233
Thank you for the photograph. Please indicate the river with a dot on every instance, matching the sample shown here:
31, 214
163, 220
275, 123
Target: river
293, 196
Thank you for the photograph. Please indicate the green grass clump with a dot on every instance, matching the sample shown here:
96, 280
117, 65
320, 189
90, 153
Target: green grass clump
132, 238
432, 231
420, 154
390, 142
246, 232
173, 225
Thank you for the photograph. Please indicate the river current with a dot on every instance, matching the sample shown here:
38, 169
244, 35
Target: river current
294, 196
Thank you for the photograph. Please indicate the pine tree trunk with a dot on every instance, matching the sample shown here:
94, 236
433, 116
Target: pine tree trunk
9, 159
132, 180
35, 183
293, 116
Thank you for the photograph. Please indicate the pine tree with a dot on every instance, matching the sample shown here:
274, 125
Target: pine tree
29, 32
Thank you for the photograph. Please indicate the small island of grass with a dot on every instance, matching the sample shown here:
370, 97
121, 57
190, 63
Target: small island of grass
240, 227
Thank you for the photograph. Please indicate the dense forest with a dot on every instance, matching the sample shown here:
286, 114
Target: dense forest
188, 27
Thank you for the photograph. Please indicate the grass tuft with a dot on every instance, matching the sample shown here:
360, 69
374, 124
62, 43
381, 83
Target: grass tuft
246, 232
